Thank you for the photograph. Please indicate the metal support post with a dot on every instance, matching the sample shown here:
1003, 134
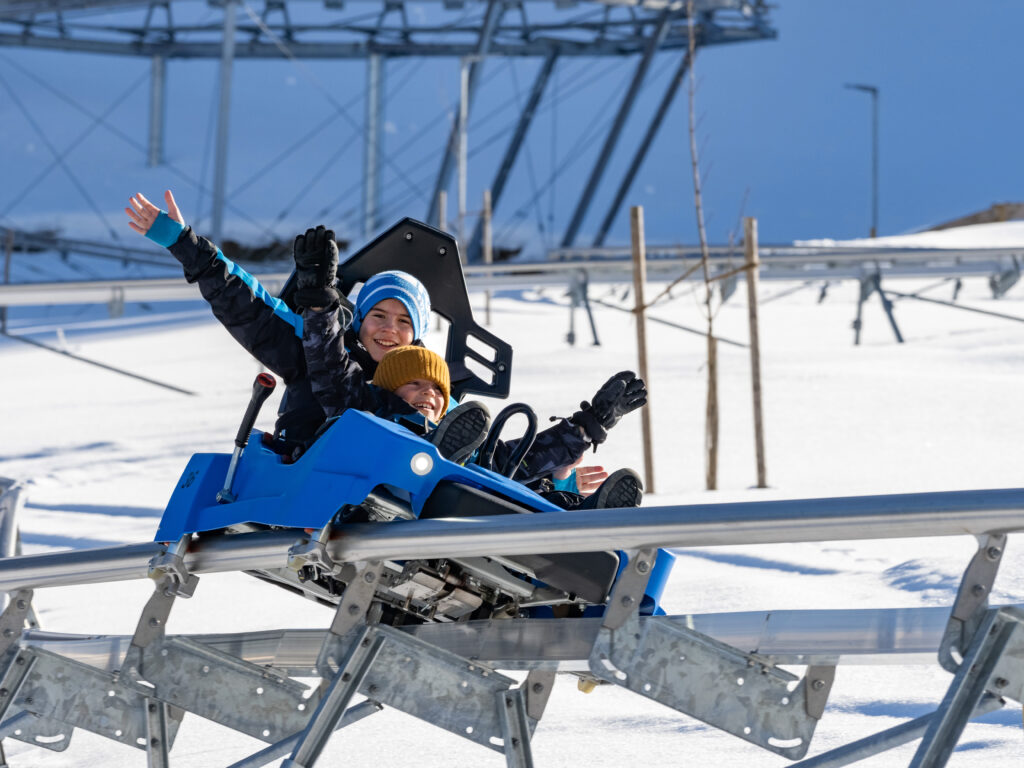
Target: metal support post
991, 664
495, 9
488, 251
887, 306
286, 746
375, 72
579, 289
516, 142
8, 249
636, 220
157, 108
642, 148
220, 160
515, 728
345, 683
865, 287
463, 153
157, 743
584, 284
620, 121
897, 736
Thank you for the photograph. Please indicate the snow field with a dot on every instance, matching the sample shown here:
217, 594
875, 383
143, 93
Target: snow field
941, 412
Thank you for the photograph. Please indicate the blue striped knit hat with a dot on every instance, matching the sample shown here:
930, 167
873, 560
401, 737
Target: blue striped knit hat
395, 284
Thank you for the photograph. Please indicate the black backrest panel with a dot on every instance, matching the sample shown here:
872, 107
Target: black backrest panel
432, 257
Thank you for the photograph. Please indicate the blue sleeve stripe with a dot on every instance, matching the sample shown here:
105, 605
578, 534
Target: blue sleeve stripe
569, 484
279, 308
164, 230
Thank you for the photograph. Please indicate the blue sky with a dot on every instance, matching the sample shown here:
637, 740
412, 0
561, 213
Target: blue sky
776, 127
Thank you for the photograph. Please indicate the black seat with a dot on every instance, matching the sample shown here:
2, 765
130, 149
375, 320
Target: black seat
589, 575
432, 257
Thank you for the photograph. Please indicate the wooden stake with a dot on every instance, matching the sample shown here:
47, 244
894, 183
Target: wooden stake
711, 412
636, 222
488, 252
753, 262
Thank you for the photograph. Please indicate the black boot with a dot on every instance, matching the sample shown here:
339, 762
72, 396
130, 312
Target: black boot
461, 431
623, 488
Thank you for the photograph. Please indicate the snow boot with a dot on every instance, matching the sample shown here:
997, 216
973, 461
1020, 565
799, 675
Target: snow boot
623, 488
461, 431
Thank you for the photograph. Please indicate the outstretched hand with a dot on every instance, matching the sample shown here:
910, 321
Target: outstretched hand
623, 393
316, 267
588, 479
143, 213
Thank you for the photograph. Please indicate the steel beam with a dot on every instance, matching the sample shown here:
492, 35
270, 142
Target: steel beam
909, 515
642, 148
529, 45
375, 71
866, 636
157, 108
220, 160
512, 151
18, 8
495, 9
653, 44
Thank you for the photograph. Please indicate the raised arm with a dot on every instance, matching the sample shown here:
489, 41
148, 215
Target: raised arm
338, 382
263, 324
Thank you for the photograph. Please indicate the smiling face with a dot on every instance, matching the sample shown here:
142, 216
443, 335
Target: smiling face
425, 396
386, 326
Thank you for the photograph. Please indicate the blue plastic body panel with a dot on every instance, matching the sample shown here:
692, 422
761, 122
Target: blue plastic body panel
355, 455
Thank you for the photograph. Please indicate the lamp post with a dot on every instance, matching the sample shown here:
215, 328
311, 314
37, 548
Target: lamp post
873, 90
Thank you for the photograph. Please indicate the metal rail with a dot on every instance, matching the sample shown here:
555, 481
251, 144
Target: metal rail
871, 636
951, 513
777, 263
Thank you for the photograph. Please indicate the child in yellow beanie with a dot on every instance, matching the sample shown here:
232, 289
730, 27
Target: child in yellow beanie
419, 376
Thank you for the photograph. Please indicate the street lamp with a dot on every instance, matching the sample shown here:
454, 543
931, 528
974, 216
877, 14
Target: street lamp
873, 90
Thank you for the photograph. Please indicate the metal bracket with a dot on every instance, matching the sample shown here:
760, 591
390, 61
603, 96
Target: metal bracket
713, 682
312, 552
12, 620
57, 688
817, 686
438, 687
537, 687
352, 611
355, 602
625, 598
245, 697
37, 731
972, 599
169, 572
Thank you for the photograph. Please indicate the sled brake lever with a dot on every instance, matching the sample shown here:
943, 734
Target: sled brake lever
261, 389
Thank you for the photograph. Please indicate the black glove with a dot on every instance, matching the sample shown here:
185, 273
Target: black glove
316, 268
621, 394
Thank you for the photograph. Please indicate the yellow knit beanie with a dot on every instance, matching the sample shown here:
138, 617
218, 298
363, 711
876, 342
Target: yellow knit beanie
404, 364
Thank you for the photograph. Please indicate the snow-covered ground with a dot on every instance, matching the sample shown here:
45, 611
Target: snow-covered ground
941, 412
996, 234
